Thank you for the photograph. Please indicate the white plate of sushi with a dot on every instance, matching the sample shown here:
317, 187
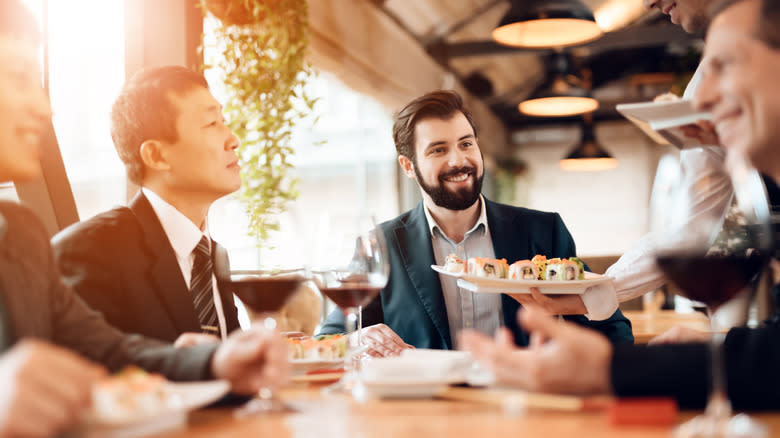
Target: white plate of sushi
149, 412
476, 283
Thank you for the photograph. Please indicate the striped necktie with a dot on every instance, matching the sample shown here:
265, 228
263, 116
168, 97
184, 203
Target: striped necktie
201, 286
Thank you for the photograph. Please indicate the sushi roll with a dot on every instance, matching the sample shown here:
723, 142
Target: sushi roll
487, 267
523, 270
454, 264
569, 270
580, 267
553, 270
541, 265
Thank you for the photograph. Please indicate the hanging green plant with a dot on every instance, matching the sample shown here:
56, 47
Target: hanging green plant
262, 46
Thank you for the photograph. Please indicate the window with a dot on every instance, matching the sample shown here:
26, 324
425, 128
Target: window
85, 74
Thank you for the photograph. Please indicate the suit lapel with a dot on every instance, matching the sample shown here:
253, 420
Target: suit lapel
414, 241
163, 271
222, 270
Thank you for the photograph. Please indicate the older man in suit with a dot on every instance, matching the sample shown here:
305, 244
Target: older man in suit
53, 347
739, 87
437, 146
139, 264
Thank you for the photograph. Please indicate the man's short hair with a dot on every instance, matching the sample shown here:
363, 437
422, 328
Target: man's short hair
768, 30
16, 21
144, 111
441, 104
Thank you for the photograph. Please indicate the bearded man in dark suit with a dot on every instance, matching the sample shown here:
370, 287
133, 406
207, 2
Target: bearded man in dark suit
436, 141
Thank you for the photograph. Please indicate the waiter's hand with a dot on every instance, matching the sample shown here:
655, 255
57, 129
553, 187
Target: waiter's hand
381, 341
704, 131
552, 304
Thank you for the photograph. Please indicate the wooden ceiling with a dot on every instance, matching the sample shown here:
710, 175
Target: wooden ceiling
623, 64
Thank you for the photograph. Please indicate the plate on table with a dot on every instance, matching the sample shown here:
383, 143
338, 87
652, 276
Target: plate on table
301, 367
185, 397
504, 285
399, 388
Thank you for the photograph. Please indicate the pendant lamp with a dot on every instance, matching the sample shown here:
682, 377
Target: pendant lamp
546, 24
588, 155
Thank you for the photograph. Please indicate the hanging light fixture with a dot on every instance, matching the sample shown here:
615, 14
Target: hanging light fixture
565, 95
588, 155
547, 23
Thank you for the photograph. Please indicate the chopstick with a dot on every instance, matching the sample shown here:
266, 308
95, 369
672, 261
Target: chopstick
514, 398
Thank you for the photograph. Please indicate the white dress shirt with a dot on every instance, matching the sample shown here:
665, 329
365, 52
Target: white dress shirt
636, 272
466, 309
184, 237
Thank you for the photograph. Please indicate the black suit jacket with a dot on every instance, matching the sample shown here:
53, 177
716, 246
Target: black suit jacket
39, 305
412, 303
122, 264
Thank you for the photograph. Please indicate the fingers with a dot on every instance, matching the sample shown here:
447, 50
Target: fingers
536, 320
382, 341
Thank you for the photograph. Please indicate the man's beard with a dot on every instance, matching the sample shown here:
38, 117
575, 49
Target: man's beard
443, 197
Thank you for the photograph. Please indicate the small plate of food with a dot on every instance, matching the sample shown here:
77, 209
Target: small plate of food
308, 354
135, 403
550, 276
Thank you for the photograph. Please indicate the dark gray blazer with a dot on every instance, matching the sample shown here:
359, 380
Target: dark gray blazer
412, 303
38, 304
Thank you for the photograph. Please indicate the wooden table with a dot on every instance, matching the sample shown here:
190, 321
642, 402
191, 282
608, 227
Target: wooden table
339, 416
647, 325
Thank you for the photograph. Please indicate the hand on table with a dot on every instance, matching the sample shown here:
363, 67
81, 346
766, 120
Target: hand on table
381, 341
572, 360
251, 360
680, 335
189, 339
45, 389
552, 304
704, 131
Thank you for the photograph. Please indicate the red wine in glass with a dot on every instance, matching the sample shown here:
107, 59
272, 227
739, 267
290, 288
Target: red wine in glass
712, 280
265, 293
351, 295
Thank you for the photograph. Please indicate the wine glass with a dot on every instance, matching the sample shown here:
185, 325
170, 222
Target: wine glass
356, 269
712, 247
263, 288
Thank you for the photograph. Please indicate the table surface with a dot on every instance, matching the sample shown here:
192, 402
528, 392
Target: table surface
337, 415
647, 325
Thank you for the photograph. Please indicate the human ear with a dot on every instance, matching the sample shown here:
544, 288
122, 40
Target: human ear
153, 156
406, 165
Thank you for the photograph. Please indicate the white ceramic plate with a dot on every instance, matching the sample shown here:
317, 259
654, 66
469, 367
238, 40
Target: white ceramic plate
188, 396
303, 366
503, 285
397, 388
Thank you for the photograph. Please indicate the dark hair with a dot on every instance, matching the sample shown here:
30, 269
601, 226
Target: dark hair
17, 21
442, 104
144, 111
768, 29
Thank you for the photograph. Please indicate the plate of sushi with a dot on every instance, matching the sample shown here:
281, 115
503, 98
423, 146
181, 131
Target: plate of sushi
316, 353
551, 276
135, 403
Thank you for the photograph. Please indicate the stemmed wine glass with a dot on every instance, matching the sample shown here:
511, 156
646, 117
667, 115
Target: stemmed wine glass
712, 253
353, 273
263, 288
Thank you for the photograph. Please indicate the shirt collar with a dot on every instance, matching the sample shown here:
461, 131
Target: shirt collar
182, 233
480, 221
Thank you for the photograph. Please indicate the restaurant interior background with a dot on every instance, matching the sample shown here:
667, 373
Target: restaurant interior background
373, 56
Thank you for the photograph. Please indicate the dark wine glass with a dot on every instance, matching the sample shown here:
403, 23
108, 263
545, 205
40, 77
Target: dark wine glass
264, 292
711, 253
354, 273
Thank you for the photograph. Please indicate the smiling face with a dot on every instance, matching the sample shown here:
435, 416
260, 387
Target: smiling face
448, 163
691, 15
202, 162
740, 86
24, 110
